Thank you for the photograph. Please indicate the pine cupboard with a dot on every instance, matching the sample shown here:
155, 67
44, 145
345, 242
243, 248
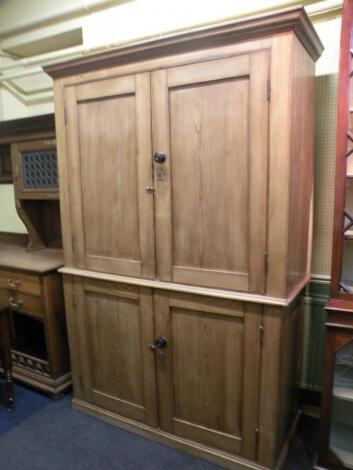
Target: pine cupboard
185, 184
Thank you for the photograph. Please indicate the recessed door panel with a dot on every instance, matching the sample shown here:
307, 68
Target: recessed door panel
216, 399
211, 168
114, 326
109, 163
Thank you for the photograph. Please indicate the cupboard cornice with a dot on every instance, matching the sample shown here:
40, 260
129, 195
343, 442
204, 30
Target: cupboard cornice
291, 19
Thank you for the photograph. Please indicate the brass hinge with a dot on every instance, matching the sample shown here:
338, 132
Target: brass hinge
262, 333
266, 262
65, 117
268, 89
73, 243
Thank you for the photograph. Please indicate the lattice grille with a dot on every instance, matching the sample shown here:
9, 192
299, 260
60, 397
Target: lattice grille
39, 169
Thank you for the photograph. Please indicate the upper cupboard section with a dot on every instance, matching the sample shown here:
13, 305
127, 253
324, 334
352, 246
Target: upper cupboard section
168, 173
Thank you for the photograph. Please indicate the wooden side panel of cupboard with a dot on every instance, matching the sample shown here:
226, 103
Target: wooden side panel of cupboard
210, 119
109, 159
115, 327
208, 373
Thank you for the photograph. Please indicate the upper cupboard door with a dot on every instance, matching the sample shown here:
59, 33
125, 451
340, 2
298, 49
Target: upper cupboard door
210, 120
109, 166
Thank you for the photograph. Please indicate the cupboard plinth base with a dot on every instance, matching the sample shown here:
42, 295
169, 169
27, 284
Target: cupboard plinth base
53, 387
226, 460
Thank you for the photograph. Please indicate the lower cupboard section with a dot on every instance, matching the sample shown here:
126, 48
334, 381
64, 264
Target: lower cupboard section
189, 365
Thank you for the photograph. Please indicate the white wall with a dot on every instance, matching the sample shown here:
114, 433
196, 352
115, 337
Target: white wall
12, 107
325, 146
9, 220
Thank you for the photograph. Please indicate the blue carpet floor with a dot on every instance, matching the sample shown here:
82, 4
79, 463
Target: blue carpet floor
28, 403
41, 434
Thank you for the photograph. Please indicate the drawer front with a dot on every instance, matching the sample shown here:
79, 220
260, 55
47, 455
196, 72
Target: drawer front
18, 282
22, 303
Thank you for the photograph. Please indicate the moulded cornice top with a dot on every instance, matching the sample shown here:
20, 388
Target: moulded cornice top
291, 19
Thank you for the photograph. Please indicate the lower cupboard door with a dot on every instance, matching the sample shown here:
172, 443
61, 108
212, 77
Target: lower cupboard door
208, 372
117, 367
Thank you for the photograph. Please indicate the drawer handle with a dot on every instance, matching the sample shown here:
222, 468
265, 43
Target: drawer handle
15, 303
13, 284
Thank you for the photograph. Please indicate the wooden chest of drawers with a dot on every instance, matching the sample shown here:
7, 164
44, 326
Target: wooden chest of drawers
22, 292
32, 289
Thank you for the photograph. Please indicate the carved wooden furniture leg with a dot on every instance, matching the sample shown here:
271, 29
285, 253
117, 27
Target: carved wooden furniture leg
6, 356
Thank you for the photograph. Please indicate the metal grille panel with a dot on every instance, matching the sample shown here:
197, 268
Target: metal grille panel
39, 169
